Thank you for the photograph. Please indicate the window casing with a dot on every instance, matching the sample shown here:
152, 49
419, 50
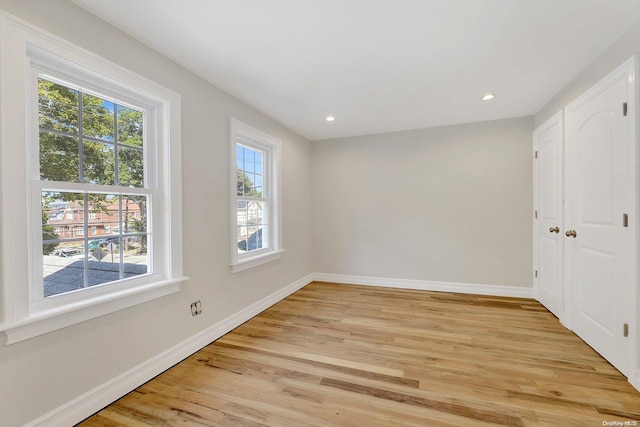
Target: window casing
30, 58
256, 232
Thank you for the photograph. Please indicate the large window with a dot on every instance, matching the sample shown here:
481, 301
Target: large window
255, 189
91, 181
87, 140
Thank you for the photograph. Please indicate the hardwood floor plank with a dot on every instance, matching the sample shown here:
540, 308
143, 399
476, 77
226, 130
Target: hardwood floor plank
407, 399
347, 355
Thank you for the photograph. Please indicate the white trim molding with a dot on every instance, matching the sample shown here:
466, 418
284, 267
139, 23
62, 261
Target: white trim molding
426, 285
97, 398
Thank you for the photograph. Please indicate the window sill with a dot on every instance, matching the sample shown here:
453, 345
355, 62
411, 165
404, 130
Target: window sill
255, 261
51, 320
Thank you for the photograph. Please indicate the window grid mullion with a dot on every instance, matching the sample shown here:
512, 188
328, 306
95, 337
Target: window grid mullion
253, 199
80, 138
85, 240
120, 239
116, 168
55, 186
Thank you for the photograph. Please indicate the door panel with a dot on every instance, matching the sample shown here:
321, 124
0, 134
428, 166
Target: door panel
596, 168
599, 173
597, 270
548, 245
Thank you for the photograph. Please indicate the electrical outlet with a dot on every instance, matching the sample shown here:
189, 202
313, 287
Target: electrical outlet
196, 308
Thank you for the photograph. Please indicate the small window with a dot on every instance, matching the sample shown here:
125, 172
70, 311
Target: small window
255, 218
252, 213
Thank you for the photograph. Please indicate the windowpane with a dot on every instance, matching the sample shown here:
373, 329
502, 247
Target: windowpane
135, 256
57, 107
58, 158
67, 265
59, 112
249, 156
130, 125
64, 211
249, 164
64, 268
251, 179
98, 162
97, 117
134, 211
254, 213
243, 183
106, 208
249, 171
250, 222
52, 228
130, 167
258, 186
258, 163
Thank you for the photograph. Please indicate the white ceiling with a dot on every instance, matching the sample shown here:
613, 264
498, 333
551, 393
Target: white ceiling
378, 65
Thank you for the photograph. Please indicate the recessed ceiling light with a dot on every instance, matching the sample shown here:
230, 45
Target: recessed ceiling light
330, 118
488, 97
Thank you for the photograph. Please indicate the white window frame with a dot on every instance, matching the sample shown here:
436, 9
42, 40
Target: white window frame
25, 314
241, 133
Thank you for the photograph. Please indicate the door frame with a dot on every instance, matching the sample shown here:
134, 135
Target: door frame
627, 69
556, 119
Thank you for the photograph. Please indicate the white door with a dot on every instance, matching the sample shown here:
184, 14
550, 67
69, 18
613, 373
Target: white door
600, 178
548, 217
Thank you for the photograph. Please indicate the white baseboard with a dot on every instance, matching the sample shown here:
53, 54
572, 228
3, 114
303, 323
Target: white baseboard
92, 401
424, 285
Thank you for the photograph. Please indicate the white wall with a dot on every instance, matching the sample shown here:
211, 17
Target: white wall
43, 373
625, 47
447, 204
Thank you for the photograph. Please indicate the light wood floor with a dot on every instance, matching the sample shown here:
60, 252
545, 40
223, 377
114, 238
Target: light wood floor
344, 355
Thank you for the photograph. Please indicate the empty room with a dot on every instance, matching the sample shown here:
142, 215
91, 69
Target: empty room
319, 213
